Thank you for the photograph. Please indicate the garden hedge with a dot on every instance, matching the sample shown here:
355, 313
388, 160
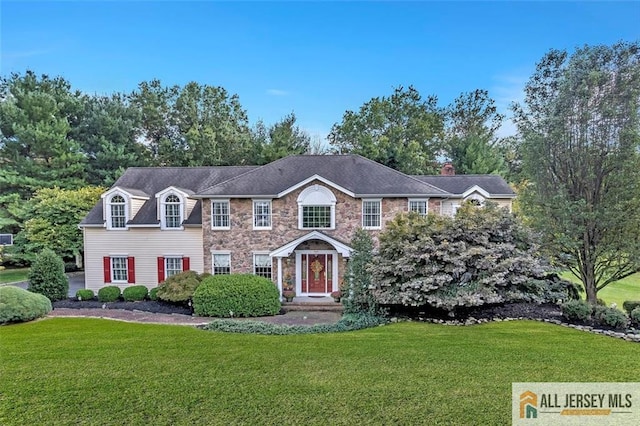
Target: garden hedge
135, 293
236, 295
110, 293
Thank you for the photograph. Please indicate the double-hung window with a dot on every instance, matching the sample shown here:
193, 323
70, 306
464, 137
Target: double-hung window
220, 215
262, 265
172, 211
117, 210
262, 214
221, 264
173, 266
371, 214
419, 206
119, 269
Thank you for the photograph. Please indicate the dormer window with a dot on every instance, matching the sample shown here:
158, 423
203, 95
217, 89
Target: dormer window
172, 209
117, 212
316, 208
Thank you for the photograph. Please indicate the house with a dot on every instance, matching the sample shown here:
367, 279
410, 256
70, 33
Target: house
290, 220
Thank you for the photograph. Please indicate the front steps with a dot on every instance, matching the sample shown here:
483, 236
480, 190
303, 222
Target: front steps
311, 304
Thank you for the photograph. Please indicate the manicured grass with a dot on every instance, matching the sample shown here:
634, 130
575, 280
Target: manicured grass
617, 292
88, 371
13, 275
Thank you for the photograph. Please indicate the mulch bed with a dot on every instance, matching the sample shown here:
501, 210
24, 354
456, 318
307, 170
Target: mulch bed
152, 306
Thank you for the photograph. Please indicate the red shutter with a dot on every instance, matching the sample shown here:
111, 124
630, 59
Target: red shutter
160, 269
106, 267
186, 265
131, 270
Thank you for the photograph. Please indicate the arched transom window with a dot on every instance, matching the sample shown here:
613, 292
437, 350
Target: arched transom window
316, 208
118, 212
172, 211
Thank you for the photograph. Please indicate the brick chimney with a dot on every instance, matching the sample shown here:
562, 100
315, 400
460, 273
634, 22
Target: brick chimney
447, 169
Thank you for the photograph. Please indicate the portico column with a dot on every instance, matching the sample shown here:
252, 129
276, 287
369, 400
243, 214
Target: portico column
280, 276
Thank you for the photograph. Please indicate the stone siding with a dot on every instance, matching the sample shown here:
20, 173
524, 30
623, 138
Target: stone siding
242, 240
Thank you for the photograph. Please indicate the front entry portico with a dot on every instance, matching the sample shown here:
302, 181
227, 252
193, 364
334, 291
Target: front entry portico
311, 264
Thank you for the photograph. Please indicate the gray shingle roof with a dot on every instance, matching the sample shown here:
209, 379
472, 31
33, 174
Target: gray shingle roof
148, 181
356, 174
458, 184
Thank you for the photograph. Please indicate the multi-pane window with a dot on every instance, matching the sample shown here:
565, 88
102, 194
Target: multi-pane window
316, 216
172, 214
118, 216
262, 214
371, 214
418, 206
221, 264
220, 214
262, 265
119, 269
173, 265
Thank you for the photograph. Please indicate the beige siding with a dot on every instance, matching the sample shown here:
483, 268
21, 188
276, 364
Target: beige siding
136, 204
189, 207
145, 245
447, 205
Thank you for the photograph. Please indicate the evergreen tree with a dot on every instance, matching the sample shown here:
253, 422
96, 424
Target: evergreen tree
47, 277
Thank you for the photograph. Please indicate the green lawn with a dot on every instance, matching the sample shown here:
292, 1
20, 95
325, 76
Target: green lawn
88, 371
13, 275
617, 292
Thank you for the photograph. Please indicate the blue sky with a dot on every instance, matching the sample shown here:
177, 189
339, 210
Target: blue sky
317, 59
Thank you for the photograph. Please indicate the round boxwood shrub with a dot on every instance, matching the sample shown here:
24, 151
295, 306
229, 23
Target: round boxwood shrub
135, 293
47, 276
635, 315
19, 305
611, 317
85, 294
110, 293
153, 293
236, 295
577, 310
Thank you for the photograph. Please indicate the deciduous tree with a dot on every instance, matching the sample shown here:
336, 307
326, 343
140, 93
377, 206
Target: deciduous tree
402, 131
580, 139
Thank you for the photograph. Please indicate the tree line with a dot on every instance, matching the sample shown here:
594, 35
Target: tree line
575, 158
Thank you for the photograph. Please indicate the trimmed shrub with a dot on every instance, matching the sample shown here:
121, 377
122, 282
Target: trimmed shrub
110, 293
179, 288
236, 295
19, 305
348, 322
635, 315
577, 310
153, 293
611, 317
47, 276
85, 294
135, 293
630, 305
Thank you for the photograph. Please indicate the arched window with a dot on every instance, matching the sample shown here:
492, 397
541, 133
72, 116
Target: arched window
172, 206
316, 208
118, 212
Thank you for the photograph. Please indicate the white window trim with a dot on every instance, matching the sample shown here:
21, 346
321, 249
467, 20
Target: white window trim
166, 264
261, 253
253, 216
373, 200
425, 200
329, 201
221, 228
108, 210
220, 252
126, 267
163, 211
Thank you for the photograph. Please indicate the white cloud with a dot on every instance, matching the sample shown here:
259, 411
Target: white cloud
277, 92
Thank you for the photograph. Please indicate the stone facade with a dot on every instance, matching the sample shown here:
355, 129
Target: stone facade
242, 241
